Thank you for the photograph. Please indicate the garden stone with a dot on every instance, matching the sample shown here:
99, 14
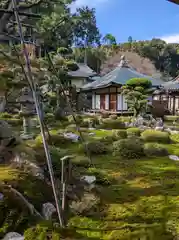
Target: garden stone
159, 128
89, 179
91, 129
71, 136
13, 236
131, 125
91, 134
126, 124
47, 210
139, 121
159, 123
174, 157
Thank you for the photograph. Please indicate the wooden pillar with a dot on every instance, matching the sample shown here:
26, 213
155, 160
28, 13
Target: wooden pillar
116, 99
122, 98
173, 104
109, 99
94, 100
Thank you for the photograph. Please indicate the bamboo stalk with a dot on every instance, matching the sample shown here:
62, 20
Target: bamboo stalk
33, 87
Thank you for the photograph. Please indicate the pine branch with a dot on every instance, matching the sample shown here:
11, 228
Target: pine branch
11, 12
31, 207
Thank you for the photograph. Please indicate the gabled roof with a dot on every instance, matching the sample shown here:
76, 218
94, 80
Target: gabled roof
84, 71
120, 75
92, 84
171, 85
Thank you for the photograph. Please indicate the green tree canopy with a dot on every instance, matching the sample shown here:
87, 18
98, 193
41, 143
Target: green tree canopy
139, 82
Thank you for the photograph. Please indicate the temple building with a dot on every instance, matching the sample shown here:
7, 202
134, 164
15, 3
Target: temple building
82, 76
168, 96
106, 90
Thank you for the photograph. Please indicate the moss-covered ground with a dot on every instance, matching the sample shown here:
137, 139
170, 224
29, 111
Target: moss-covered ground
139, 199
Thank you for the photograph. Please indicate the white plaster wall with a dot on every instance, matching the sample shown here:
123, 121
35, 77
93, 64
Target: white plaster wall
121, 103
125, 108
97, 102
93, 101
107, 102
77, 82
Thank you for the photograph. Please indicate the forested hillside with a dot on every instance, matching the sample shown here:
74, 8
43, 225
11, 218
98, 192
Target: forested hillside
149, 57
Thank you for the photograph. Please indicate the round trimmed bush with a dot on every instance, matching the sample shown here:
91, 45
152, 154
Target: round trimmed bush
5, 115
155, 149
109, 139
104, 115
133, 132
155, 136
120, 134
56, 139
78, 119
171, 118
96, 148
113, 116
112, 124
49, 117
84, 124
14, 121
94, 121
128, 148
101, 177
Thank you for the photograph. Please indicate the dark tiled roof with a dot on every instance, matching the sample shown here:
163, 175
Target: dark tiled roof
83, 71
120, 75
171, 85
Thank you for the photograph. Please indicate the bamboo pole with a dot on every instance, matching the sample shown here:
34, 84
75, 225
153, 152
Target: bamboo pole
33, 87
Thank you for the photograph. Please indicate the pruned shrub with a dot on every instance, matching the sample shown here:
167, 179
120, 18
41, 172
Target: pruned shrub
104, 115
101, 177
84, 124
14, 121
56, 139
120, 134
171, 118
128, 148
96, 148
94, 121
131, 132
55, 153
5, 115
78, 119
109, 139
60, 115
112, 124
155, 149
113, 116
49, 117
155, 136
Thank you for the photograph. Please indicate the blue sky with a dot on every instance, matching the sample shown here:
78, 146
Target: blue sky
141, 19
